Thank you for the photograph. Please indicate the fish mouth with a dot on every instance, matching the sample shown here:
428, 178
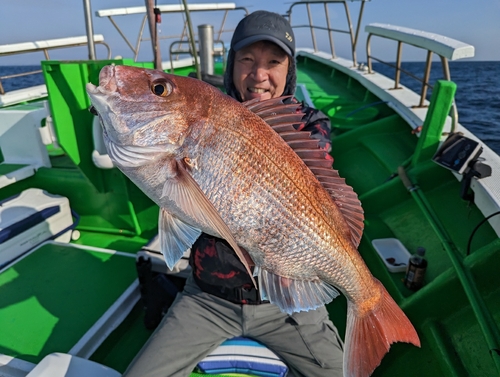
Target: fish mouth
96, 92
107, 82
91, 88
107, 78
98, 99
99, 94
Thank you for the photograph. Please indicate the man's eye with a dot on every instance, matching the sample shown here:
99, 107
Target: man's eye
161, 89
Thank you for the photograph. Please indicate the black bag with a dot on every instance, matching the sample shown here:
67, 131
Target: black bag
158, 291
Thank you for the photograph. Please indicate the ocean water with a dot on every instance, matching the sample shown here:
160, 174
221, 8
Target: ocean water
477, 98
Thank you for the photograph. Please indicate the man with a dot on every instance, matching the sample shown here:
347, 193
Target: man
219, 301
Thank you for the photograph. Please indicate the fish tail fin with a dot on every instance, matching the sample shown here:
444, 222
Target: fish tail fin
369, 337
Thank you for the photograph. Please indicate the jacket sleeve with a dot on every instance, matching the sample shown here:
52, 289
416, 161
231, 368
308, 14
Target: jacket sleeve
318, 123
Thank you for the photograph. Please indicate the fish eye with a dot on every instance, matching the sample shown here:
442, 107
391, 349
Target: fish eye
161, 89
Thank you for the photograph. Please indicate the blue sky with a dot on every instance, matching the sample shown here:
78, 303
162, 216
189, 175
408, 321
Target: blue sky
476, 22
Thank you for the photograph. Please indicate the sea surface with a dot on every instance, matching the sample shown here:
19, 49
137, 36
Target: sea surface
477, 98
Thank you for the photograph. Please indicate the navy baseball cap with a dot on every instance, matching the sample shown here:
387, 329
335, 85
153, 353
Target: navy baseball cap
264, 26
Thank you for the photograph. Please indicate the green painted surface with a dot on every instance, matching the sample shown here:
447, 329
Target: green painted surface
369, 143
69, 103
125, 342
367, 155
432, 129
49, 299
9, 168
105, 199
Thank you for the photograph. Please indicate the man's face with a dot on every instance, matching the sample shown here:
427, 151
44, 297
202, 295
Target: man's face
260, 71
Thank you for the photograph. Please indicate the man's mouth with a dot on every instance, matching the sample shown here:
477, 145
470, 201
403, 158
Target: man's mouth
257, 90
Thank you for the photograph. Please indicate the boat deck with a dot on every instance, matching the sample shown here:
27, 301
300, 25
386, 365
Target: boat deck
367, 154
64, 298
372, 138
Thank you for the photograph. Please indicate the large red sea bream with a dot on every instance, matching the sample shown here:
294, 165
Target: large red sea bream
242, 172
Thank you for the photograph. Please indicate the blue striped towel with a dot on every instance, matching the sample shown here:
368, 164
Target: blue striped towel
243, 355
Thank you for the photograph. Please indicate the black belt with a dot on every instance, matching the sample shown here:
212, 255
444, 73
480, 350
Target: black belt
239, 295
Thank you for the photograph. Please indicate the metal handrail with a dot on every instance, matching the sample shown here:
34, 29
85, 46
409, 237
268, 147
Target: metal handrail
188, 51
40, 47
2, 90
446, 49
45, 49
168, 9
353, 35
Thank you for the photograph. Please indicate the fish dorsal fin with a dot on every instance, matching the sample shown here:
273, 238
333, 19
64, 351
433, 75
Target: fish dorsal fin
345, 198
275, 112
282, 117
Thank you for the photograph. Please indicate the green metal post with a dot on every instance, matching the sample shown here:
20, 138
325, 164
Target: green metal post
439, 109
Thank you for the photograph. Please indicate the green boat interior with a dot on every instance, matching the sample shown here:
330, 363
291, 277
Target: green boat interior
405, 195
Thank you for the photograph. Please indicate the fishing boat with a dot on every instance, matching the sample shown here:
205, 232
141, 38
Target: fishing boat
82, 283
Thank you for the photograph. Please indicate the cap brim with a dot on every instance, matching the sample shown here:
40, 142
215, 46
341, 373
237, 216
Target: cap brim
256, 38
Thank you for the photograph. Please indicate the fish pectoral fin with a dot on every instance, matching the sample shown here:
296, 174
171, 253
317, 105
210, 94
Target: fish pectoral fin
293, 295
175, 237
187, 194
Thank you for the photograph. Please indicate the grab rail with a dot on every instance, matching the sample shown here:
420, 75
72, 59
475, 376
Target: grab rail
353, 36
172, 8
446, 48
44, 46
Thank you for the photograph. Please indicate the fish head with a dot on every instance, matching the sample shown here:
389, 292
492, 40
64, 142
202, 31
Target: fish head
143, 110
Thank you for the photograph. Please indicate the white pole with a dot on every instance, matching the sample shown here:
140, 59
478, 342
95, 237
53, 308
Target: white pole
89, 28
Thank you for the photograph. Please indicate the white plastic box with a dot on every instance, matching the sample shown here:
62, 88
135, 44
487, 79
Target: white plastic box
30, 218
391, 249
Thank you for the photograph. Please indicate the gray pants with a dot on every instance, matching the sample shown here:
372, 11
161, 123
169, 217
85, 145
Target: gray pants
198, 322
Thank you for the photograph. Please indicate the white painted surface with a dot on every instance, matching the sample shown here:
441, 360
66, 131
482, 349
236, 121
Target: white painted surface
441, 45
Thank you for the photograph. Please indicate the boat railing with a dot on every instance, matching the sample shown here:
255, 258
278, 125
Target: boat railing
444, 47
353, 35
176, 48
44, 46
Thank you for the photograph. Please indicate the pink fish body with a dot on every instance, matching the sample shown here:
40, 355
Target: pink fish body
241, 172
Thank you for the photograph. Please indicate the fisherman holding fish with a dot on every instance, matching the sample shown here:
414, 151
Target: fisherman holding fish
259, 204
219, 301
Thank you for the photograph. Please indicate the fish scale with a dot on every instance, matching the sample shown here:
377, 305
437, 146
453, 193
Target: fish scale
253, 163
267, 189
214, 166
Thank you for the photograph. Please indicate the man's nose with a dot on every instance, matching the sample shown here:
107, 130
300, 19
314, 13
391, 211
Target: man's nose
260, 72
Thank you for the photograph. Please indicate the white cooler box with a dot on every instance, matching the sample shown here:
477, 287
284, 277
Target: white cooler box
30, 218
